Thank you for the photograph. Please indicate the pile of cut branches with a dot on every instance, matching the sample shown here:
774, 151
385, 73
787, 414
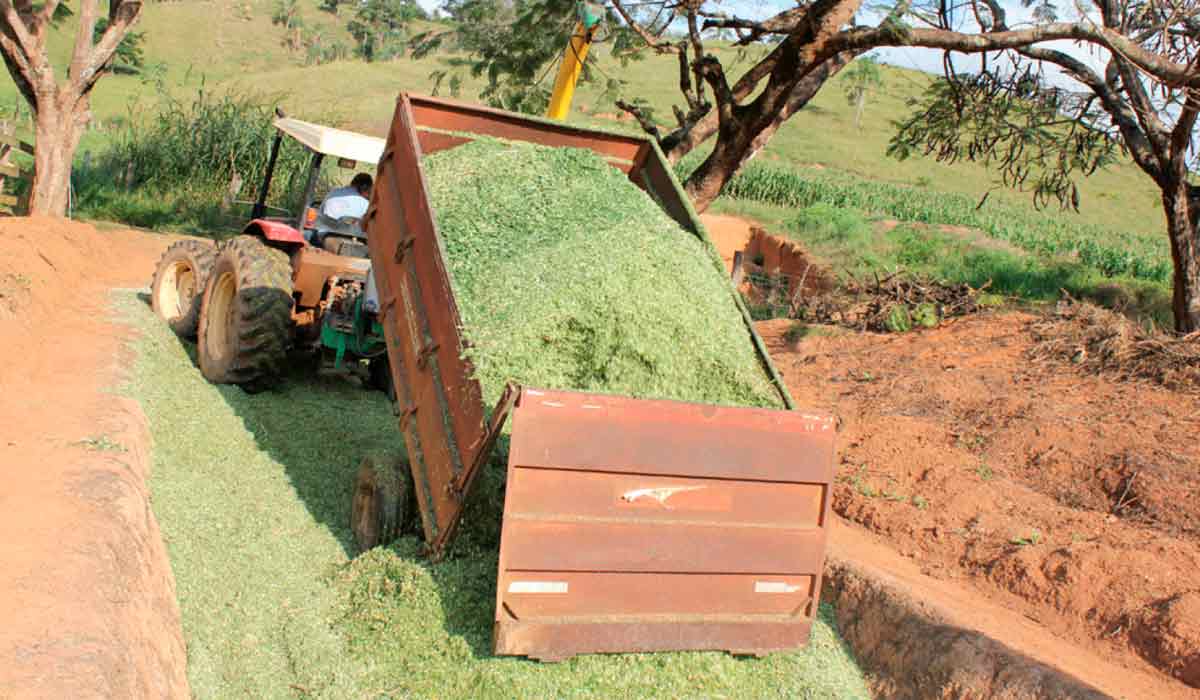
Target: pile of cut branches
1101, 340
896, 303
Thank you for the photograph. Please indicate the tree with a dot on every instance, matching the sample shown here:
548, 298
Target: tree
287, 14
860, 79
780, 75
1145, 99
381, 28
61, 110
128, 59
1141, 94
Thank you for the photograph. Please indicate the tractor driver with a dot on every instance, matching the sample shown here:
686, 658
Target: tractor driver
349, 201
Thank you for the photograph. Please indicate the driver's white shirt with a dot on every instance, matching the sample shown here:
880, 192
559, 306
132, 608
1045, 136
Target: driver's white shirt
344, 201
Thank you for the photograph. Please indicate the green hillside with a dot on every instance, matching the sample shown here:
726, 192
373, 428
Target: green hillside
227, 47
226, 44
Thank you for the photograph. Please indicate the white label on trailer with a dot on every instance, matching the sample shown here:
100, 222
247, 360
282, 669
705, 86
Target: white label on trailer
774, 587
660, 493
537, 587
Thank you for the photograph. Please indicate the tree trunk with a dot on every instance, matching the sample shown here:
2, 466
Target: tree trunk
859, 103
737, 145
57, 131
1185, 253
706, 182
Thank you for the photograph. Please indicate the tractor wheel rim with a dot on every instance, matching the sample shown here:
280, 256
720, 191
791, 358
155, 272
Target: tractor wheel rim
219, 332
185, 288
176, 279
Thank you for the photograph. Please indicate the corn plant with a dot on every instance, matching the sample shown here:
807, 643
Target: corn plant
1138, 256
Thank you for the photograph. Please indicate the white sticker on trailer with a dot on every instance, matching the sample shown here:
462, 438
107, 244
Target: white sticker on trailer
537, 587
774, 587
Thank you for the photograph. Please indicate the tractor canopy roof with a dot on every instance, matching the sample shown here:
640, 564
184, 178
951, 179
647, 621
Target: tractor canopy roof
333, 142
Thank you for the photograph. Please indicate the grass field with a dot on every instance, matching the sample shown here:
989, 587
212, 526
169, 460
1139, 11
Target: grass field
223, 44
252, 494
1113, 250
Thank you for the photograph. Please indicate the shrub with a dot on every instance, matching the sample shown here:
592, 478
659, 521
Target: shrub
823, 222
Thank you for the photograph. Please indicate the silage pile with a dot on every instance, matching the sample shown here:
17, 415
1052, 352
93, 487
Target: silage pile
568, 276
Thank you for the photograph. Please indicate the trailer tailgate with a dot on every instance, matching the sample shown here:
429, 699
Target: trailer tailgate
638, 525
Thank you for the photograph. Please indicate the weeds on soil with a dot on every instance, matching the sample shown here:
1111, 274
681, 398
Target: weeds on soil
172, 169
897, 303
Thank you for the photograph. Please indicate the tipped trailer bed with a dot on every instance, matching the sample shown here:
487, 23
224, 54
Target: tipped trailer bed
629, 524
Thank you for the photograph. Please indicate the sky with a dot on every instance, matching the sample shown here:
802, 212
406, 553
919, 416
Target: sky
928, 60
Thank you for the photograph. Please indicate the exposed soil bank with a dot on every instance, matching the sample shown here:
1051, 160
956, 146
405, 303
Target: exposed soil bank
1012, 528
86, 592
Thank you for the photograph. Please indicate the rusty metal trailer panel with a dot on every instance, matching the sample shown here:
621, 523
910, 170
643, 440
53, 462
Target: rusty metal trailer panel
635, 525
442, 417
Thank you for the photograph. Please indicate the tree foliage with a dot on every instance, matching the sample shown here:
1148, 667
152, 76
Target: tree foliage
515, 47
1043, 116
382, 29
129, 58
1039, 138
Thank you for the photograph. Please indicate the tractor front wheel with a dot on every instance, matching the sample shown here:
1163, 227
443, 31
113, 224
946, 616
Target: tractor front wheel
246, 316
178, 284
383, 502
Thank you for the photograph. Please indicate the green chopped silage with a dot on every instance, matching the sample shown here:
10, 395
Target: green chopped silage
252, 494
568, 276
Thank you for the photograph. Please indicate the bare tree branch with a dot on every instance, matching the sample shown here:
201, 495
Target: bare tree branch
88, 16
14, 24
652, 41
122, 16
1160, 67
1181, 136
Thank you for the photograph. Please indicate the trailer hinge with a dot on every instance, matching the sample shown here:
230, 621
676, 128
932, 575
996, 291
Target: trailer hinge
402, 248
423, 355
406, 415
504, 406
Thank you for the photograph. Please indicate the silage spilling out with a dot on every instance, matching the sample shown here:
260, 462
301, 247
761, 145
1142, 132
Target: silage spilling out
568, 276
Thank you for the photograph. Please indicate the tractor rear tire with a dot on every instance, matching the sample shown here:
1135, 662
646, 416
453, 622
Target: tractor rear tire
383, 502
246, 316
178, 285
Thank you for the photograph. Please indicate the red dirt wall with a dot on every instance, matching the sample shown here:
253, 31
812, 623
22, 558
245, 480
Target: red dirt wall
87, 597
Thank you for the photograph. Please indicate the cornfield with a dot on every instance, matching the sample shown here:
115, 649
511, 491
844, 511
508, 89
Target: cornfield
1140, 256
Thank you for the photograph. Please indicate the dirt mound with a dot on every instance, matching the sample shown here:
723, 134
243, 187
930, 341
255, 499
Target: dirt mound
1172, 634
1101, 340
86, 592
56, 257
1069, 498
940, 657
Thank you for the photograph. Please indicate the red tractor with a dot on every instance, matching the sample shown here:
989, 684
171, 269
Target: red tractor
292, 281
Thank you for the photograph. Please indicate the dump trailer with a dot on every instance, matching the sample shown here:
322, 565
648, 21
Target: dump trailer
629, 525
